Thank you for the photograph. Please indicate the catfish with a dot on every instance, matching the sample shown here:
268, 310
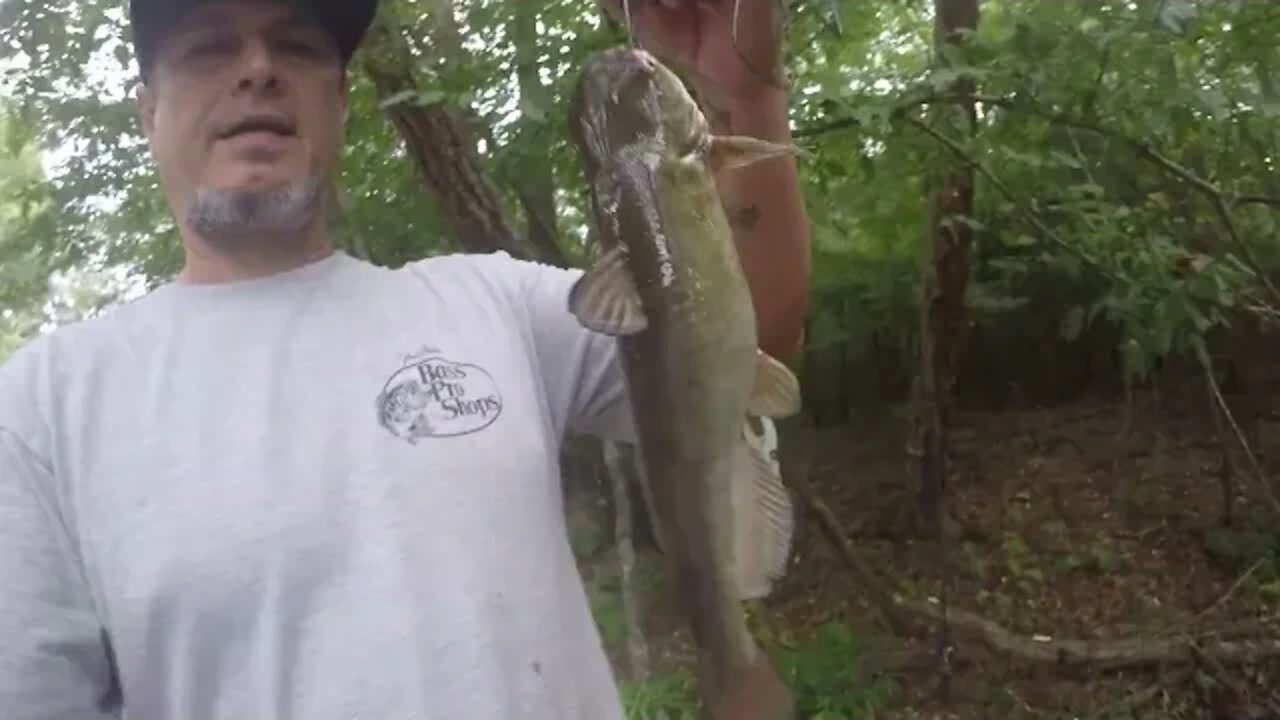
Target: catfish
669, 286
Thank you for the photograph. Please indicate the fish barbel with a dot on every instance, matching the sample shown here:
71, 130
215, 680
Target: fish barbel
670, 286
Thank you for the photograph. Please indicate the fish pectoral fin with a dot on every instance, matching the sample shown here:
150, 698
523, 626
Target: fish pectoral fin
606, 299
763, 518
733, 152
776, 393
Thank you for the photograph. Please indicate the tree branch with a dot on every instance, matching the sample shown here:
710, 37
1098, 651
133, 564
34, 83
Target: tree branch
1217, 198
862, 573
1258, 472
1146, 151
1219, 202
1032, 216
1258, 200
824, 128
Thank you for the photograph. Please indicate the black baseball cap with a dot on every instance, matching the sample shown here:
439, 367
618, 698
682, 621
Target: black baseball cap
347, 21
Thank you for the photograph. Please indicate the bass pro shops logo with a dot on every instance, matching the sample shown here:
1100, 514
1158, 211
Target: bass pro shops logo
435, 397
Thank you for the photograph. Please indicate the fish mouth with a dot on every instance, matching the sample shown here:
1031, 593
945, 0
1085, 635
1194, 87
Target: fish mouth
633, 64
274, 123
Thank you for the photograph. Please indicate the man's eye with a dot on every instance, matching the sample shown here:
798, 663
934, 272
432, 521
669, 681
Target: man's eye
211, 46
301, 46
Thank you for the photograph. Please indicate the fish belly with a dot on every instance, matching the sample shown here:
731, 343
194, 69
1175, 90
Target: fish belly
690, 396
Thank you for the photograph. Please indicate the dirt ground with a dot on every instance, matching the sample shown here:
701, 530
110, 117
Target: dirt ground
1096, 521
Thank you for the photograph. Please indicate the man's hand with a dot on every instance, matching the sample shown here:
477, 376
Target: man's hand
730, 60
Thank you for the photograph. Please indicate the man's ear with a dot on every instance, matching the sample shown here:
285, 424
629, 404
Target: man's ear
146, 97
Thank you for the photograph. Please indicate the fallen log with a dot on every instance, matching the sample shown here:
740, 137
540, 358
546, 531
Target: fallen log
1173, 649
1107, 654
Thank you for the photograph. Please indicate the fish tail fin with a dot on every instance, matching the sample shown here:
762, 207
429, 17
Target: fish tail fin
763, 513
754, 692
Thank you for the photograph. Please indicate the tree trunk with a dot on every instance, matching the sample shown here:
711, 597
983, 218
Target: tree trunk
532, 177
946, 277
442, 144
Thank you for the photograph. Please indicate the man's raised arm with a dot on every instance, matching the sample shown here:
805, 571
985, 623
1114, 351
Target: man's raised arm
766, 210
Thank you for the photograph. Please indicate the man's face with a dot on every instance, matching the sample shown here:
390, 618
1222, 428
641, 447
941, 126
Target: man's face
246, 100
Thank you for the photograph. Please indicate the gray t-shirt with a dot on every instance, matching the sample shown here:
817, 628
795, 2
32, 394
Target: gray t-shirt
331, 494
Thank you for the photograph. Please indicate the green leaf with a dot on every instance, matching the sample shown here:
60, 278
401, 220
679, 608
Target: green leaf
1018, 241
533, 110
1175, 15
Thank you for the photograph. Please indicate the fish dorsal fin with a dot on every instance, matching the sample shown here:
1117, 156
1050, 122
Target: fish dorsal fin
763, 514
606, 300
776, 393
733, 152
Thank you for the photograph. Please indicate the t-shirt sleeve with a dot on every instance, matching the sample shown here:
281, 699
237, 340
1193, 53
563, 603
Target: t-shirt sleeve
582, 369
53, 657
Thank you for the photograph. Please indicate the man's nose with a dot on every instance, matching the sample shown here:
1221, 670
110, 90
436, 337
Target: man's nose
259, 69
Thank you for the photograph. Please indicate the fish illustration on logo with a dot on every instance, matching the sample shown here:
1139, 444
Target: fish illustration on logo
434, 397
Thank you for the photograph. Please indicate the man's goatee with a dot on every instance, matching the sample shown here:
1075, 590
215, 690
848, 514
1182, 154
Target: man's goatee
232, 216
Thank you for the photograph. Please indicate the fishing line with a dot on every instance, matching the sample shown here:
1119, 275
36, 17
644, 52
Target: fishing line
626, 13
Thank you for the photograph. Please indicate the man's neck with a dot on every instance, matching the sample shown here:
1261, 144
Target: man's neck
207, 264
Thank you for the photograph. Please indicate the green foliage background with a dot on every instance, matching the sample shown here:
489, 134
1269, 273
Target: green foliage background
1079, 228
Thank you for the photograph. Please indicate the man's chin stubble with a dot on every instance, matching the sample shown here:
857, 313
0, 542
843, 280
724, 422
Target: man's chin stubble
241, 219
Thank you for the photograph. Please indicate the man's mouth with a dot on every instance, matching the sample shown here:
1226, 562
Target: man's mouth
274, 125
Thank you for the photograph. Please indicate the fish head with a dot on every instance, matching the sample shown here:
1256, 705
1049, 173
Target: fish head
626, 97
685, 128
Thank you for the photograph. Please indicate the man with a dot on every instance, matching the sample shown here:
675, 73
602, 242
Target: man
290, 484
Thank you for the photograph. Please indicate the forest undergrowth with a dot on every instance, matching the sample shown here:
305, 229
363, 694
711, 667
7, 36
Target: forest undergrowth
1090, 521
